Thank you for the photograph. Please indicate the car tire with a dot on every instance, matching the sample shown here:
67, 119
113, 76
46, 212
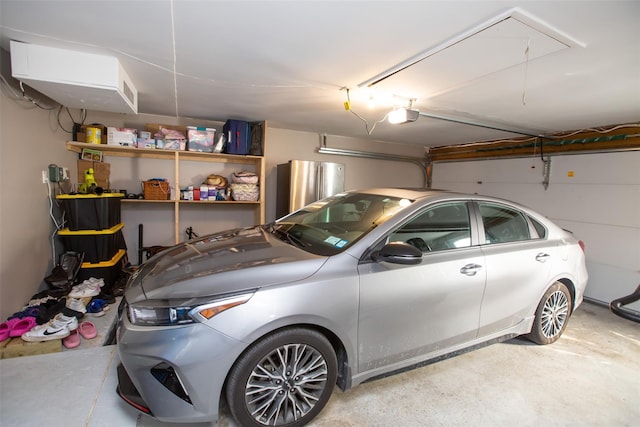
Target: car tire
290, 367
552, 315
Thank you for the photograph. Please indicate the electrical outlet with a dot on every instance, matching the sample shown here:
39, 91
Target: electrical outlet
45, 177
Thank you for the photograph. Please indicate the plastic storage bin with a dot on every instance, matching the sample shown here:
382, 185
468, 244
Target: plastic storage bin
109, 271
97, 245
91, 211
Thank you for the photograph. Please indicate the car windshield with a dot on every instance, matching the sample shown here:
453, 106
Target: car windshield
330, 225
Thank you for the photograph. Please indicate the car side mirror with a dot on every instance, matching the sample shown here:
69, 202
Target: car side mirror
398, 253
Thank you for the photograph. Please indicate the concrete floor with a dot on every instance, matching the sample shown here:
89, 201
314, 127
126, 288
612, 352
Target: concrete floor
590, 377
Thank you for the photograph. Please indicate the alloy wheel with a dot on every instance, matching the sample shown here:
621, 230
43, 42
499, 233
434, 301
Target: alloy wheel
554, 314
286, 384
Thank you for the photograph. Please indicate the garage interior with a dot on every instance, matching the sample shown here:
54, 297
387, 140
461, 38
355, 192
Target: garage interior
536, 102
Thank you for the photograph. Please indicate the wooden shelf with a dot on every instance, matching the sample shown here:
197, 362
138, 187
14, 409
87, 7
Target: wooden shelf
177, 157
217, 202
147, 201
119, 151
193, 202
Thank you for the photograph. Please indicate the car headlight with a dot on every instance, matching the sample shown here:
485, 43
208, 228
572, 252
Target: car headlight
168, 312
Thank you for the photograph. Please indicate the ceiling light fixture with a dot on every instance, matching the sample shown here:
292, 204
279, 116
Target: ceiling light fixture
402, 115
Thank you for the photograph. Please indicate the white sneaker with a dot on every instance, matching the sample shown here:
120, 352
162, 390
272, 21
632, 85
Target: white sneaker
85, 289
71, 322
59, 327
96, 281
76, 305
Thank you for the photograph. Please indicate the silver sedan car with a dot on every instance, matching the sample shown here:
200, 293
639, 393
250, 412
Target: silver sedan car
347, 289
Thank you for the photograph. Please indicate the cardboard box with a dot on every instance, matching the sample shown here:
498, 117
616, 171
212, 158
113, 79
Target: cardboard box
122, 136
101, 172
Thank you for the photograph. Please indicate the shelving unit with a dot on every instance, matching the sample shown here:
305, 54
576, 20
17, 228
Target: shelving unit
180, 156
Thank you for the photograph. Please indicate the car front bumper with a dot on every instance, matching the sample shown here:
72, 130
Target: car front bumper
175, 374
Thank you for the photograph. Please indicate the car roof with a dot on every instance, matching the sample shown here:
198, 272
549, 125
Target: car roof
419, 193
409, 192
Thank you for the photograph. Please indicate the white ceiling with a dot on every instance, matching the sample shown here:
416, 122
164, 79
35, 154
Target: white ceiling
289, 62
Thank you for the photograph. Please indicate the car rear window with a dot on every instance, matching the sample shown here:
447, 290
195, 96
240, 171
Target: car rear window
503, 224
540, 229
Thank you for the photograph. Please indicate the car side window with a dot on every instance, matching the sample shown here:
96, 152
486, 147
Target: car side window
438, 228
540, 229
503, 224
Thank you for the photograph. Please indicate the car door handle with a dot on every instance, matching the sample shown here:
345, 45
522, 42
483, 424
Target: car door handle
542, 257
470, 269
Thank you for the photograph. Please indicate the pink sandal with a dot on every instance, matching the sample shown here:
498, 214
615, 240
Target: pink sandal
88, 330
5, 328
21, 326
73, 340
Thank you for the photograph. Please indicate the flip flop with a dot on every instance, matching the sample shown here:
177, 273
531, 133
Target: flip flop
72, 341
23, 325
87, 330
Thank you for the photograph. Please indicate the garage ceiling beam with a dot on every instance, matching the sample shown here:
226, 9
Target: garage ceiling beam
613, 138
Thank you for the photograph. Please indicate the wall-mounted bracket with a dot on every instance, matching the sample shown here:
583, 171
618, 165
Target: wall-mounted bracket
429, 170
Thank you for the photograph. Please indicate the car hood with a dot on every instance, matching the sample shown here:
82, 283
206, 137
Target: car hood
225, 262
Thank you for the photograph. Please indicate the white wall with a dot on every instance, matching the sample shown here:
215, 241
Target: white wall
29, 142
600, 203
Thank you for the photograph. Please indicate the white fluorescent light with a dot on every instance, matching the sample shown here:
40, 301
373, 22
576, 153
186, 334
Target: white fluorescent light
402, 115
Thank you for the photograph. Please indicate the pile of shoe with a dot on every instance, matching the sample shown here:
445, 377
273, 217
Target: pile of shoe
62, 327
55, 314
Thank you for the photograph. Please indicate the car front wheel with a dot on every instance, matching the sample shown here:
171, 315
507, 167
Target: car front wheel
552, 315
285, 379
